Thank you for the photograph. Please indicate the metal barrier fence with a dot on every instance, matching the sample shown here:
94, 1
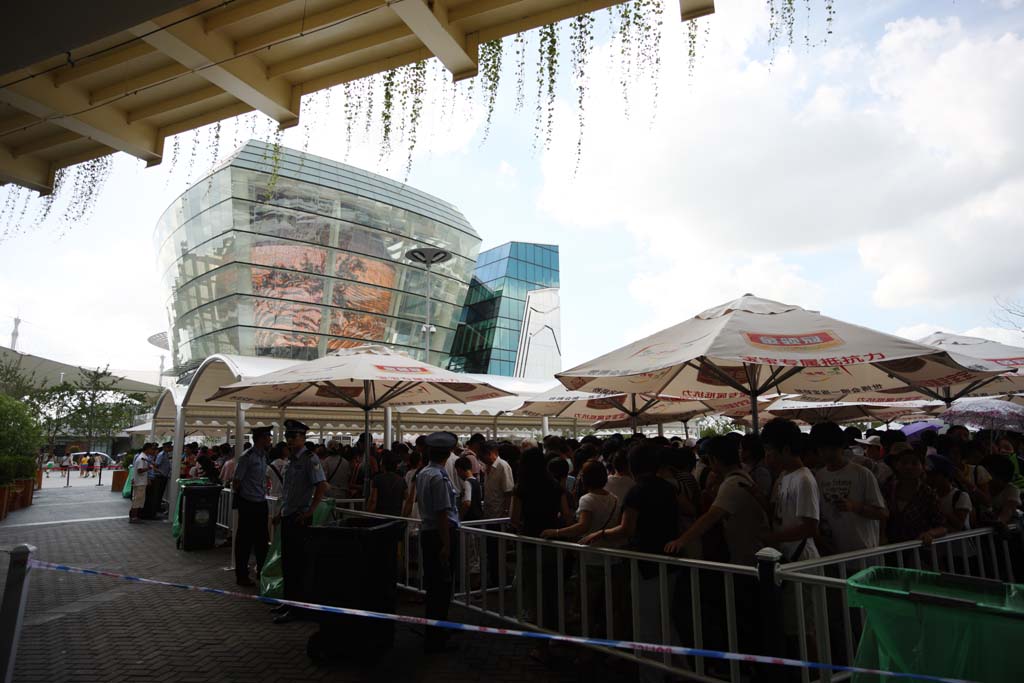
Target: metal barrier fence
796, 610
225, 518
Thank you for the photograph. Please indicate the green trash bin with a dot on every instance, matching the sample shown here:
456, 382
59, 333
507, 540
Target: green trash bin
938, 624
176, 521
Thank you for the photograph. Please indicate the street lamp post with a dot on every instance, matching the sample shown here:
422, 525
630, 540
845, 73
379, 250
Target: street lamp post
428, 256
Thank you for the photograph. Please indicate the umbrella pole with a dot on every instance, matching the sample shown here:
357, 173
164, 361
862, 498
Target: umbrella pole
686, 428
366, 456
632, 414
754, 422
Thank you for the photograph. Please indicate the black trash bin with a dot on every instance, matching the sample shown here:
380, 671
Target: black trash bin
353, 563
199, 516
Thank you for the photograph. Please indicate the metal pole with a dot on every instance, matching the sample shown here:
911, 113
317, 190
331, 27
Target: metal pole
99, 480
426, 329
239, 430
367, 439
13, 607
388, 428
176, 454
545, 427
753, 413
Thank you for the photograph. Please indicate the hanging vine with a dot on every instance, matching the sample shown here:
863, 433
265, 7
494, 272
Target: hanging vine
385, 113
416, 81
547, 80
519, 42
490, 75
393, 102
582, 40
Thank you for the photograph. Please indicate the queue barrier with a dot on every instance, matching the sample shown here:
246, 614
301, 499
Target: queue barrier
570, 589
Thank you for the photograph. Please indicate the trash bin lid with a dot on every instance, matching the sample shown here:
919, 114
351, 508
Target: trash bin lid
941, 590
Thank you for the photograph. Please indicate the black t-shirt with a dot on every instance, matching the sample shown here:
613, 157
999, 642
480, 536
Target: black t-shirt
476, 510
390, 493
654, 500
541, 504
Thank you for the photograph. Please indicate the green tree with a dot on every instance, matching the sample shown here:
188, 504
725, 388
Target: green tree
100, 410
16, 382
20, 435
715, 425
55, 407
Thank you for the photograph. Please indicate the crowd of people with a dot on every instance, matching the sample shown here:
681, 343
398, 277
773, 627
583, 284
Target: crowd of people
723, 498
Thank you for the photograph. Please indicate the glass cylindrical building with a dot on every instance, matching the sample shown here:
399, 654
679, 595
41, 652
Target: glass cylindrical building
281, 253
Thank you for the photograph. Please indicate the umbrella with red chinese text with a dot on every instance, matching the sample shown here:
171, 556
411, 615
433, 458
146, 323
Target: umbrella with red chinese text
969, 352
751, 347
618, 410
365, 377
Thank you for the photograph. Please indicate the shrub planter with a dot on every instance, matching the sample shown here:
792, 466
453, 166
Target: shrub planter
39, 478
14, 496
117, 480
27, 487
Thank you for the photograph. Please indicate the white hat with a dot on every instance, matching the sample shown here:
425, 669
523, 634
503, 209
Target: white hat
690, 442
874, 440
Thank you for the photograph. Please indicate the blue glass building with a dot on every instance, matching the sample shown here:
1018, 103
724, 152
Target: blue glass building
509, 325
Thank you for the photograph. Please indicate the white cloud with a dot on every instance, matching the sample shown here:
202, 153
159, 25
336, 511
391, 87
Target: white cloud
909, 150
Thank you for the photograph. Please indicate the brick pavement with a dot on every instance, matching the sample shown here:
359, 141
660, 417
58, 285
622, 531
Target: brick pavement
80, 628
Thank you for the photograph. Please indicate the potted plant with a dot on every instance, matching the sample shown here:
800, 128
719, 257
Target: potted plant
119, 477
25, 471
6, 477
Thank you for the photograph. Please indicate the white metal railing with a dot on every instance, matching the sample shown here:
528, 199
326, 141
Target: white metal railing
567, 588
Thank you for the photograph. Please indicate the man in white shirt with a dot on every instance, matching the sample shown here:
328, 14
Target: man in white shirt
140, 479
795, 501
498, 486
852, 506
872, 459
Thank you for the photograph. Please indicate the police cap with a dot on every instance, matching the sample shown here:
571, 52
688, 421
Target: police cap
441, 440
295, 427
257, 432
168, 444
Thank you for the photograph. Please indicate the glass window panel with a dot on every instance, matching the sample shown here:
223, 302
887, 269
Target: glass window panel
283, 284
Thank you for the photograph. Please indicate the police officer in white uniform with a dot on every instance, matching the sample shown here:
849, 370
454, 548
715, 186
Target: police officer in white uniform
303, 489
439, 510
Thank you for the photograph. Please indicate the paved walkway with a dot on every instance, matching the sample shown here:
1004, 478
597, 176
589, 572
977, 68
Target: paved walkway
80, 628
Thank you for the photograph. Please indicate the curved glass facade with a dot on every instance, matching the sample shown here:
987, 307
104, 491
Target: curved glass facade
307, 260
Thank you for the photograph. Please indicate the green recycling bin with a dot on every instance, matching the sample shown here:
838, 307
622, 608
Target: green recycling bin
938, 624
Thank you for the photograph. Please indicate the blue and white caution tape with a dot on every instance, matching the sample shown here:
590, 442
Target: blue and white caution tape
456, 626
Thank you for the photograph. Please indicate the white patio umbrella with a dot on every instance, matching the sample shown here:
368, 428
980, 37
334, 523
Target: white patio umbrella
365, 377
618, 409
813, 412
971, 352
751, 346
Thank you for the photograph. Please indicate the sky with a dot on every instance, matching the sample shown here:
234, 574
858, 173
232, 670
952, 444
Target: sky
877, 178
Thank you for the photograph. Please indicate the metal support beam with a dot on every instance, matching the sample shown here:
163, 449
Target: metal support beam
39, 144
29, 172
172, 103
431, 26
388, 428
70, 108
305, 24
694, 9
212, 56
176, 456
239, 11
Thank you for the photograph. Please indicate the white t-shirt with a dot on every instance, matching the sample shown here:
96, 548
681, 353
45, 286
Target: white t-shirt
140, 475
796, 496
275, 482
604, 514
449, 467
619, 485
498, 483
878, 468
848, 531
962, 502
341, 469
